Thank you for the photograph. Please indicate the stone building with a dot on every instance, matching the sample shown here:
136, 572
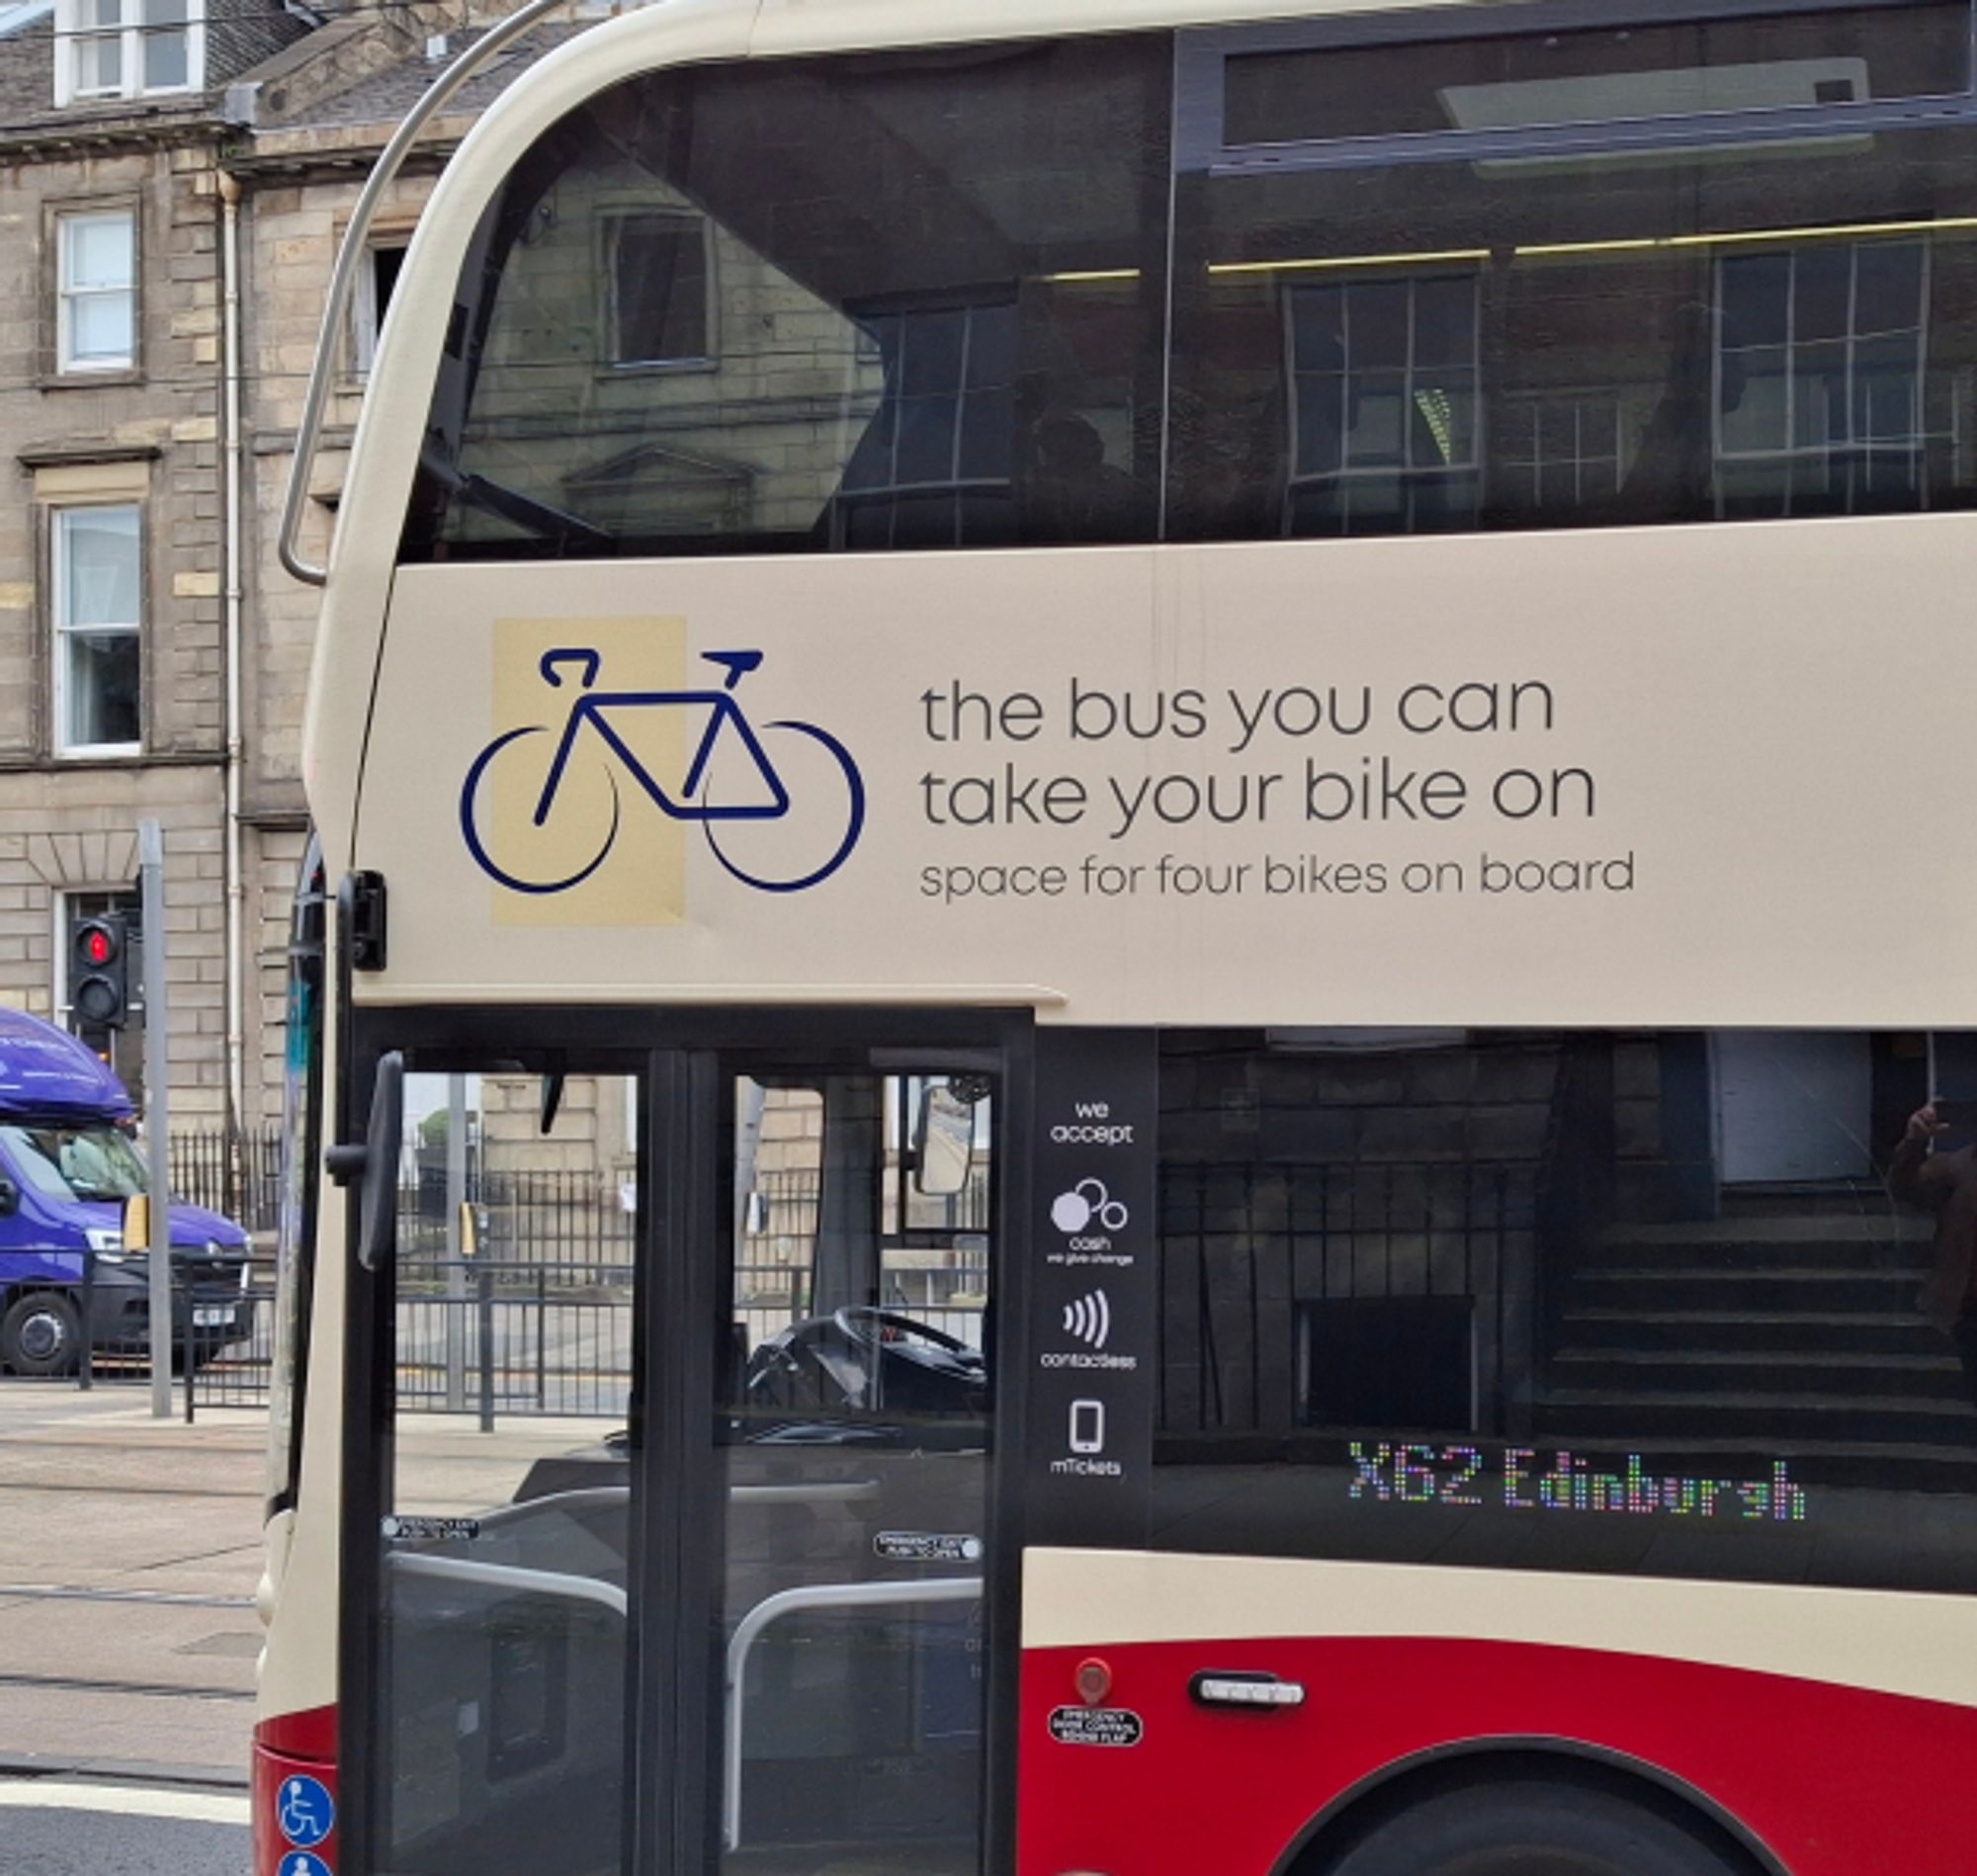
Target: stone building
120, 615
173, 176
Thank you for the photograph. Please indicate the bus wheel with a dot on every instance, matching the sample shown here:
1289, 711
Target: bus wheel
1531, 1826
39, 1334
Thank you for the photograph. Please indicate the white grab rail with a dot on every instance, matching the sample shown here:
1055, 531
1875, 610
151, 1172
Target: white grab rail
308, 433
822, 1595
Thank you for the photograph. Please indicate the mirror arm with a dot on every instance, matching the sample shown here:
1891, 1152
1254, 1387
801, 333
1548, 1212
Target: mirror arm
345, 1163
373, 1166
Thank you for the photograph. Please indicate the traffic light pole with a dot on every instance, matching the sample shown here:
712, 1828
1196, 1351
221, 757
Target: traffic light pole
157, 1117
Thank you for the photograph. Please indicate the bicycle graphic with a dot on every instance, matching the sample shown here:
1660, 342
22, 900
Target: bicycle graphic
728, 745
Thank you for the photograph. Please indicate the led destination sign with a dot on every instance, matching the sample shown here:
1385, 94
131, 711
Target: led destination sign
1525, 1479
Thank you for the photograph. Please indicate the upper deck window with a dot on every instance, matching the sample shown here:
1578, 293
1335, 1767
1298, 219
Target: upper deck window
1519, 267
1639, 71
914, 326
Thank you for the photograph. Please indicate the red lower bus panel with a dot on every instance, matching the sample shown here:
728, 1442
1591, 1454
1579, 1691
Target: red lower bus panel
1831, 1780
296, 1745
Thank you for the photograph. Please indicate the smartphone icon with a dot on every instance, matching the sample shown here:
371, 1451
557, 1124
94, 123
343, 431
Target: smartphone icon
1087, 1426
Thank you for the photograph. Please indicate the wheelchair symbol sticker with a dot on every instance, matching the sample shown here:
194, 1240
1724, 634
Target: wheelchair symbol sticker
1087, 1204
306, 1815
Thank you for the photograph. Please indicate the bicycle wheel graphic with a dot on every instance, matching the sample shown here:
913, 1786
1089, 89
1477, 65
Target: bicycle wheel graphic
498, 803
785, 853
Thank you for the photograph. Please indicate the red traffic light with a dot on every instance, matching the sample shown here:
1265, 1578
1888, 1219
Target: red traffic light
98, 989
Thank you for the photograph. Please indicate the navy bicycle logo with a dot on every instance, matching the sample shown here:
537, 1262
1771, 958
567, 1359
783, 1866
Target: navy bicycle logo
730, 783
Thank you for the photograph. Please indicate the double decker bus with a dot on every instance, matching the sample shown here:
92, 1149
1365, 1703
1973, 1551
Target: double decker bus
1213, 757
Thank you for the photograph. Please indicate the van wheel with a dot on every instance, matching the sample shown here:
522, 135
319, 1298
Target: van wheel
40, 1335
1529, 1827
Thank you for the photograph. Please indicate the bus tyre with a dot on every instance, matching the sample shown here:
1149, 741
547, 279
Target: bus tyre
40, 1335
1532, 1828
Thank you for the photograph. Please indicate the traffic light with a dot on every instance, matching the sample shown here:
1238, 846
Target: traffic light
100, 972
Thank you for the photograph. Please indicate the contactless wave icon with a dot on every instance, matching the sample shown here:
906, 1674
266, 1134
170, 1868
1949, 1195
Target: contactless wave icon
1089, 1319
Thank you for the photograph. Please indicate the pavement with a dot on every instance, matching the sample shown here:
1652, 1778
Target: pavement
129, 1549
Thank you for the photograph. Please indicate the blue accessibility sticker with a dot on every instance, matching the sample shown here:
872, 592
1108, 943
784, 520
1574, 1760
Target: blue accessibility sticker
304, 1811
302, 1863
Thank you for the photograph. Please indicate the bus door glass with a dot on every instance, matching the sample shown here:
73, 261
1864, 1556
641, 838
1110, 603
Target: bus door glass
851, 1435
504, 1594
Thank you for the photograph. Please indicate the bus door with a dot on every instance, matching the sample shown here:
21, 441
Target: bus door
852, 1436
669, 1540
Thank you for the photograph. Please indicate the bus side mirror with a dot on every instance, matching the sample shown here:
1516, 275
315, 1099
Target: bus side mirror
374, 1166
946, 1142
10, 1198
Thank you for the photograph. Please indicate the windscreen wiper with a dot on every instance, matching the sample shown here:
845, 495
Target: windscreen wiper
524, 511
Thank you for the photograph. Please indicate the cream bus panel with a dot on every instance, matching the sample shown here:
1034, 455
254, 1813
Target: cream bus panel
1511, 780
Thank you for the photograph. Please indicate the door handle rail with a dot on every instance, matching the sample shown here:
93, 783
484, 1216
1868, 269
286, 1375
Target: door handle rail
821, 1596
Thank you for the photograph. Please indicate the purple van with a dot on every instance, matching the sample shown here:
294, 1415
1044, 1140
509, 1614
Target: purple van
68, 1164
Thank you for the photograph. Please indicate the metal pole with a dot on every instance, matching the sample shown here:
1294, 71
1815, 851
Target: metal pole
86, 1359
483, 1281
186, 1331
454, 1309
157, 1113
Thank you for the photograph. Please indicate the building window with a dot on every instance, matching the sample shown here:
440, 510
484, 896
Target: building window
659, 280
1383, 407
377, 280
96, 291
1561, 453
1819, 379
127, 49
934, 467
97, 614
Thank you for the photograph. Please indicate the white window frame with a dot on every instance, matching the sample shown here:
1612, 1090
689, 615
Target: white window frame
1407, 474
891, 489
66, 362
1595, 475
72, 31
60, 629
1785, 458
613, 229
366, 317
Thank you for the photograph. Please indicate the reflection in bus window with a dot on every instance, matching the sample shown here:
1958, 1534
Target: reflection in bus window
804, 306
809, 305
855, 1436
1676, 1303
505, 1555
1686, 339
1515, 78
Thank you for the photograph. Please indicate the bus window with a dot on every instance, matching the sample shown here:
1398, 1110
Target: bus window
810, 305
1398, 337
504, 1581
1482, 281
854, 1443
1665, 1303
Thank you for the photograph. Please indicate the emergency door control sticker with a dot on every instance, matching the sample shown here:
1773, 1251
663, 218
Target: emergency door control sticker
1096, 1726
927, 1547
